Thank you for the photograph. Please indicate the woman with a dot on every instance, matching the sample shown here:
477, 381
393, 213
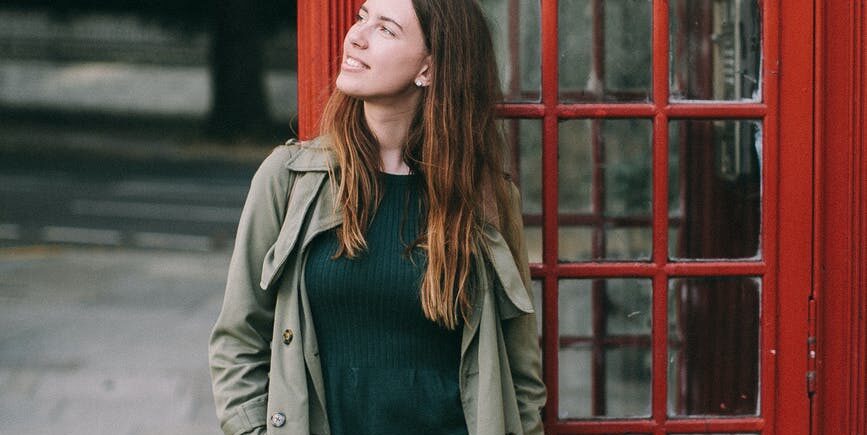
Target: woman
379, 282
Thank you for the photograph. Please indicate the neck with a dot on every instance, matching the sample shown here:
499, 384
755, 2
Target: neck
390, 123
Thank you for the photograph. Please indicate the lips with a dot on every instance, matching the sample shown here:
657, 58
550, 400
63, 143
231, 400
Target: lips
353, 63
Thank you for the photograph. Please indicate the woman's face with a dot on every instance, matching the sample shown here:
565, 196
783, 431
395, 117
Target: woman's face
384, 53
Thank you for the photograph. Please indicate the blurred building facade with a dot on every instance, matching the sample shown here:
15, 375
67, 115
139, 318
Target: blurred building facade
124, 64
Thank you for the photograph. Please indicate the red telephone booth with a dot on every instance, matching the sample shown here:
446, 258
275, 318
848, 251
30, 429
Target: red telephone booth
694, 178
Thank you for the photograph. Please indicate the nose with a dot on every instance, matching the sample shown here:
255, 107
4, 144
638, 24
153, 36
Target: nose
356, 36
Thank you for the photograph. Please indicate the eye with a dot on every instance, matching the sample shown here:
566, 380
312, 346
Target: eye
385, 30
358, 18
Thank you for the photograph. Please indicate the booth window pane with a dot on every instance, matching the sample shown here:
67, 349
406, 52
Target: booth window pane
524, 142
715, 50
605, 324
516, 27
716, 189
713, 346
605, 51
605, 189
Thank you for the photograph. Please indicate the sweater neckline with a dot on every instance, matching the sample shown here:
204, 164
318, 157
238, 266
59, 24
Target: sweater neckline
401, 179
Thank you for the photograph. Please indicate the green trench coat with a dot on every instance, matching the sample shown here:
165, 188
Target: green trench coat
263, 353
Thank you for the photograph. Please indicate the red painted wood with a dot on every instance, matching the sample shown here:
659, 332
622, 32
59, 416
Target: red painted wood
704, 110
840, 397
716, 426
550, 138
659, 323
659, 327
775, 298
598, 390
321, 27
794, 229
610, 269
721, 110
859, 402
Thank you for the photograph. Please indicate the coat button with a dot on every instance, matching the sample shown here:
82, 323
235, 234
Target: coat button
287, 336
278, 419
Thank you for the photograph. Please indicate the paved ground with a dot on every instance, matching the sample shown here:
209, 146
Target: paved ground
107, 341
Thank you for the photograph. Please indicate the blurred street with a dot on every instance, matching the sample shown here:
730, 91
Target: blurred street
177, 208
106, 340
117, 217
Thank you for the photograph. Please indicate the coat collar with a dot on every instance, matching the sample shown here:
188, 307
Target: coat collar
312, 155
316, 155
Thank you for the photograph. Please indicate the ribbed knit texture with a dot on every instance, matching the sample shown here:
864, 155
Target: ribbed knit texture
387, 369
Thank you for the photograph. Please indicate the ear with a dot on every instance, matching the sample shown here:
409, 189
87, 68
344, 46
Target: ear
424, 75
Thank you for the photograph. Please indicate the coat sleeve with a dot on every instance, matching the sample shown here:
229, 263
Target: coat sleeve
239, 347
519, 333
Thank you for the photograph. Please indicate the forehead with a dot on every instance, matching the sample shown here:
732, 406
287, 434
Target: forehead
398, 10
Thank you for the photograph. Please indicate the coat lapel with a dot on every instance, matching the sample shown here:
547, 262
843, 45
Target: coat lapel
310, 162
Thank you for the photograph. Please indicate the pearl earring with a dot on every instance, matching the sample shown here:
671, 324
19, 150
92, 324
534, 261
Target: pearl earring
418, 83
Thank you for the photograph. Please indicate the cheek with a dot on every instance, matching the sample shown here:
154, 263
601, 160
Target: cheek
400, 65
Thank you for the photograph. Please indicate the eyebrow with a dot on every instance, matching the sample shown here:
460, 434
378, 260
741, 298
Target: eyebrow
383, 18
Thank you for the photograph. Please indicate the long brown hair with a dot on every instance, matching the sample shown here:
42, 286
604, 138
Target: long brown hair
453, 143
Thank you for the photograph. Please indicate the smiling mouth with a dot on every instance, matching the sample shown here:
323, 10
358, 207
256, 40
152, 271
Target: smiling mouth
354, 63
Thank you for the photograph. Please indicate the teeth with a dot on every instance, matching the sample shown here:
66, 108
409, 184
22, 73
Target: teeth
354, 63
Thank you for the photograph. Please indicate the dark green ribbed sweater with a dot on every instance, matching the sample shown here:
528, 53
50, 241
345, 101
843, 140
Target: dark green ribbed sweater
387, 369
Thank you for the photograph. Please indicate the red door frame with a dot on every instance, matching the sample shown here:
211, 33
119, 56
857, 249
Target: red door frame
840, 255
795, 204
820, 73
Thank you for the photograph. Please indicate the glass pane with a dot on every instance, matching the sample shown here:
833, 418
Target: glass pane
516, 28
605, 323
715, 50
713, 346
605, 52
538, 295
524, 142
575, 157
716, 188
627, 156
533, 238
575, 316
629, 243
627, 306
575, 353
574, 382
575, 242
627, 382
605, 170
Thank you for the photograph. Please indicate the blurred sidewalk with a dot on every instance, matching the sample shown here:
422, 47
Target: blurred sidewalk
107, 341
112, 339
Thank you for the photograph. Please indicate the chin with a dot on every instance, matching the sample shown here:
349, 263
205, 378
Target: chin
348, 87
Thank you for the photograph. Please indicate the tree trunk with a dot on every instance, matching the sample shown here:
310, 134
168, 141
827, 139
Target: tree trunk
239, 106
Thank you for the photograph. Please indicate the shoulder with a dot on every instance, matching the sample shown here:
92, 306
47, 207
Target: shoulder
295, 156
298, 155
310, 155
